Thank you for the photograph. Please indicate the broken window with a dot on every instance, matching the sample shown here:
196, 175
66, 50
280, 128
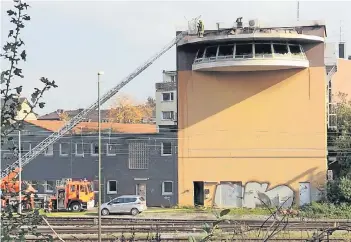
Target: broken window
200, 53
243, 51
263, 50
295, 50
225, 51
211, 52
280, 49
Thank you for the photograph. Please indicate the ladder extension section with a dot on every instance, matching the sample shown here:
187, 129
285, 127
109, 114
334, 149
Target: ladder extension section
79, 117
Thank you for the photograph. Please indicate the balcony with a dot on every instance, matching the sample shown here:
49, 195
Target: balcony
166, 86
253, 56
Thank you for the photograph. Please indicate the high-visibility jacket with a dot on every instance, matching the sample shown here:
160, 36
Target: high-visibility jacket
201, 26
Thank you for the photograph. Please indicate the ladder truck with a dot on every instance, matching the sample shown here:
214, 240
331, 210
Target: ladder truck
38, 149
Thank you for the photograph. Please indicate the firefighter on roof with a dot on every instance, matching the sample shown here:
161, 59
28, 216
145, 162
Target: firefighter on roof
200, 29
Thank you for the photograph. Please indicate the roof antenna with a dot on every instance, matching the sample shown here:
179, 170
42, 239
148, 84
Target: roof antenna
298, 10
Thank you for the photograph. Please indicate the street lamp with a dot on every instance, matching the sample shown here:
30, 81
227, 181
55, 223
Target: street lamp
99, 166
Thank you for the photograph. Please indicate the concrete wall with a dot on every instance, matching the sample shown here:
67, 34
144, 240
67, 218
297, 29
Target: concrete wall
56, 167
263, 130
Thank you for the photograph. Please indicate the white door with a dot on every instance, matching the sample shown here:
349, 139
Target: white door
305, 193
141, 190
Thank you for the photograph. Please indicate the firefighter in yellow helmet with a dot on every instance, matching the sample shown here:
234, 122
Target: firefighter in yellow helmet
200, 29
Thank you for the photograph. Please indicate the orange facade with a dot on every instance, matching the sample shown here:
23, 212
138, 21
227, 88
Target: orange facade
244, 135
341, 80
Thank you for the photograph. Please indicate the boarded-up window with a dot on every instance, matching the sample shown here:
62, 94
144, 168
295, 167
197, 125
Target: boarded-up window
138, 156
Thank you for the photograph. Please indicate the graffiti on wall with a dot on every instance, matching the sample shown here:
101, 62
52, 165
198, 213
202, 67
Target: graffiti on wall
253, 194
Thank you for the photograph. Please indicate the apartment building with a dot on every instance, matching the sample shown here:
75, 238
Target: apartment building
135, 159
252, 115
166, 102
338, 67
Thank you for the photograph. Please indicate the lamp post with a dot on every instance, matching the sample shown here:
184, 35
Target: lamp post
99, 165
20, 172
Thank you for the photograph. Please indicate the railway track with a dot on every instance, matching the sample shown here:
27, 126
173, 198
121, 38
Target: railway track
87, 226
183, 222
173, 224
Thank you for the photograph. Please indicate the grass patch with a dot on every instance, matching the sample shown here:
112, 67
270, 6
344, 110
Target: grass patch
326, 210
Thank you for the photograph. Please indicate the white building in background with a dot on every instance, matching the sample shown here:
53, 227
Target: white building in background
166, 102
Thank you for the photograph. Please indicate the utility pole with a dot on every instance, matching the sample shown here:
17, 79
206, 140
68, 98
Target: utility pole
20, 172
99, 166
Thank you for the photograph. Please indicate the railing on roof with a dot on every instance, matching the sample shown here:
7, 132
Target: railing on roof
251, 56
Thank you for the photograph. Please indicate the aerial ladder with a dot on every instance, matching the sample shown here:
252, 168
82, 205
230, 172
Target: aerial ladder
79, 117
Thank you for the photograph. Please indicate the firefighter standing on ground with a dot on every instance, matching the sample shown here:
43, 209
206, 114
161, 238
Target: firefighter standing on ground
200, 29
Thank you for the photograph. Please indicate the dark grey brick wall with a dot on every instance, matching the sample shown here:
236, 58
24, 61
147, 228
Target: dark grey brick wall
55, 167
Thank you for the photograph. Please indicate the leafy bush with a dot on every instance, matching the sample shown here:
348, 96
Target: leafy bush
326, 210
339, 191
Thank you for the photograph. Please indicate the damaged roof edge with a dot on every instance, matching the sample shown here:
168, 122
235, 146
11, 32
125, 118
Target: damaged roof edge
307, 23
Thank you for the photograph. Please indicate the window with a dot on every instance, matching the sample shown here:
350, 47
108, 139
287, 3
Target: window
83, 188
167, 188
73, 188
200, 53
49, 151
64, 149
166, 148
173, 78
138, 155
118, 200
112, 187
295, 50
211, 52
280, 49
112, 149
263, 50
49, 186
130, 200
167, 96
94, 149
167, 115
26, 147
243, 51
226, 51
79, 149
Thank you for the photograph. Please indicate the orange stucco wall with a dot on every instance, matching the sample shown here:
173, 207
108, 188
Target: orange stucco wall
251, 126
341, 80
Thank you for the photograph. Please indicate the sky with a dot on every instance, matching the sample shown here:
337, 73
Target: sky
70, 41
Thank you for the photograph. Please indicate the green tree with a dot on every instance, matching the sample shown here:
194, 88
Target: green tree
341, 138
13, 53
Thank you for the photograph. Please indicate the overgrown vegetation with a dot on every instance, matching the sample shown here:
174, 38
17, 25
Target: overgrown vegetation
12, 82
320, 210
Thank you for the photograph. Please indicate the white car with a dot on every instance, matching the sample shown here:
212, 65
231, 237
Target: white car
132, 204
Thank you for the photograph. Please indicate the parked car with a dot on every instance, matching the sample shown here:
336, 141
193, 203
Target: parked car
132, 204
